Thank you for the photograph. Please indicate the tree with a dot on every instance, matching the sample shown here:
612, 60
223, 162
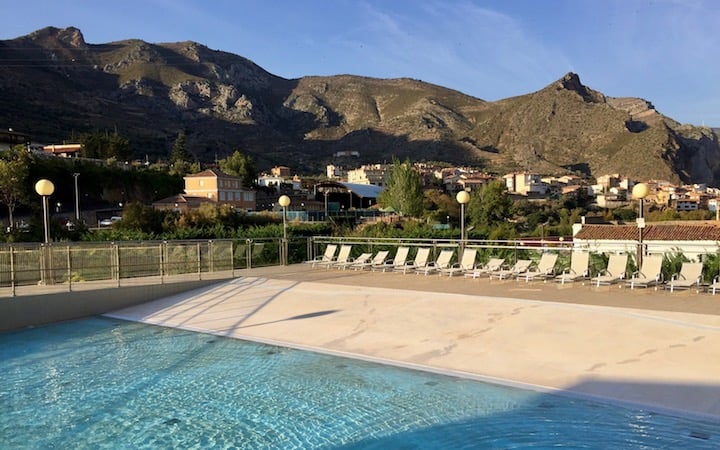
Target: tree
179, 150
13, 177
101, 145
403, 189
240, 165
491, 206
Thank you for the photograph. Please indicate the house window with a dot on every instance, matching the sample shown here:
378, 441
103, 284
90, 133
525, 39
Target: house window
247, 196
202, 182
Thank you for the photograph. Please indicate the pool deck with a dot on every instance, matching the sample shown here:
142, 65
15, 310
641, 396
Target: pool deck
646, 347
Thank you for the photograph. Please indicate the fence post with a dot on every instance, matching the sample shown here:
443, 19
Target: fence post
248, 253
211, 256
162, 262
69, 264
115, 251
232, 258
12, 270
199, 262
310, 249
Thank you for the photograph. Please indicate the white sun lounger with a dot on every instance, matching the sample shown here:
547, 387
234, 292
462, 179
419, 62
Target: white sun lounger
350, 262
379, 258
493, 265
342, 257
520, 267
650, 274
579, 268
690, 275
421, 260
545, 268
399, 260
615, 271
442, 262
326, 257
466, 264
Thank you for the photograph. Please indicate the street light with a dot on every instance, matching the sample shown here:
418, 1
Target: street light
640, 191
77, 198
284, 201
45, 188
462, 197
325, 191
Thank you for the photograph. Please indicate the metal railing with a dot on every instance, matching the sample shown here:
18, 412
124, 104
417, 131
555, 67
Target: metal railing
29, 264
67, 265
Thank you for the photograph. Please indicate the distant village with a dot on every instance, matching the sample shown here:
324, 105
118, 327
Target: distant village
345, 189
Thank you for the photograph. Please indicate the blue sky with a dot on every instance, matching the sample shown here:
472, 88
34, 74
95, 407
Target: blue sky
665, 51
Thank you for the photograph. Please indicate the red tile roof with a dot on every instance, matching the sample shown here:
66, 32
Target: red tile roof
650, 233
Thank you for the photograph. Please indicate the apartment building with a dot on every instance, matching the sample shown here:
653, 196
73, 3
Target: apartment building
221, 188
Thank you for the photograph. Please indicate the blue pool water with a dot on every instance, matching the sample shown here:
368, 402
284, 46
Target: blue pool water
105, 383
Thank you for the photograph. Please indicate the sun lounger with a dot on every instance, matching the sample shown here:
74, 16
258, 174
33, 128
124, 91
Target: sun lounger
326, 257
519, 268
650, 274
442, 262
615, 271
715, 285
399, 260
545, 268
342, 257
493, 265
466, 264
690, 275
379, 258
350, 262
421, 260
579, 268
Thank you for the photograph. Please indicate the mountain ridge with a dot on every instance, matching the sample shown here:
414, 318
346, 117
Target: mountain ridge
56, 85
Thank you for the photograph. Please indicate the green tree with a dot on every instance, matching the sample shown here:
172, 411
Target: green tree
101, 145
119, 147
136, 216
13, 178
490, 206
403, 189
179, 150
240, 165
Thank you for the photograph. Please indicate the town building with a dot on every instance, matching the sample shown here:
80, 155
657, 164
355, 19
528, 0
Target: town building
368, 174
213, 186
692, 238
63, 150
524, 183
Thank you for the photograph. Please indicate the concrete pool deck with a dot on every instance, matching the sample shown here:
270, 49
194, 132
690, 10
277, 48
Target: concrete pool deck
641, 346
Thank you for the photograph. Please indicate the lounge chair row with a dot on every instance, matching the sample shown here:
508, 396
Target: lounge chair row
650, 274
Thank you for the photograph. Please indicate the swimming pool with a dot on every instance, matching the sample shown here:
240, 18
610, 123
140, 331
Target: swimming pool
107, 383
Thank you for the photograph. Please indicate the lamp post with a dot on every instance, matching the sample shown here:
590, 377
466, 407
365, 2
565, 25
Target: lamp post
462, 197
45, 188
640, 191
284, 201
325, 192
77, 198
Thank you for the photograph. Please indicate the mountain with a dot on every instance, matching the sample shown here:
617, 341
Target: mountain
54, 85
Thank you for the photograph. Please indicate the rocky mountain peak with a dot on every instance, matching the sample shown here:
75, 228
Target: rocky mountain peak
571, 82
70, 36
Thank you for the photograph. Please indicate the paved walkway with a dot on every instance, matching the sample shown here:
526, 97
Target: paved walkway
644, 346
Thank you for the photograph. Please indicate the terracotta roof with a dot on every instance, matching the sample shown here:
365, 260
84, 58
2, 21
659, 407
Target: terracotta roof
210, 173
650, 233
